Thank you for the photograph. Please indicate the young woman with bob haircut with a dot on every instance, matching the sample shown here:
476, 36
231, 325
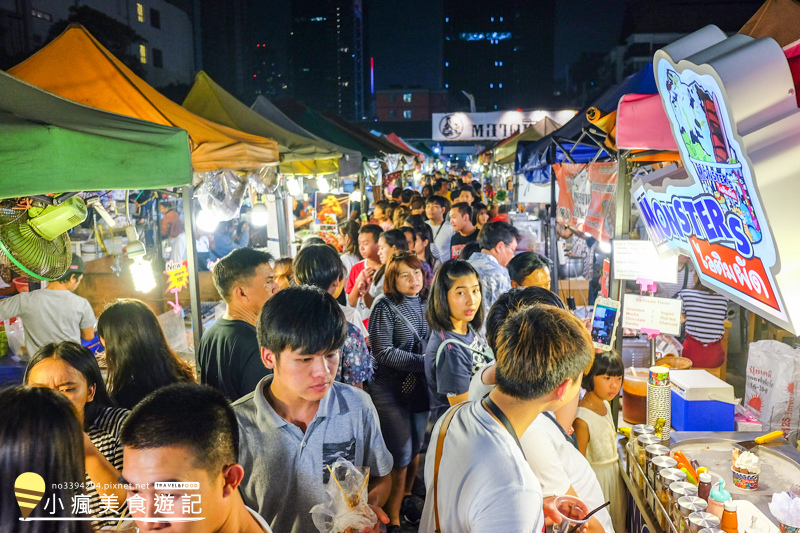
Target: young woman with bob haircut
398, 333
139, 359
456, 350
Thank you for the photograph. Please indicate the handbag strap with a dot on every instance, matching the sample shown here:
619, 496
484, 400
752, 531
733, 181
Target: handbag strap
438, 459
402, 317
501, 416
488, 353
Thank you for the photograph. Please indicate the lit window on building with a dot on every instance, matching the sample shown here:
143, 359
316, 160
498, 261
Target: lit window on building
491, 85
492, 19
158, 58
500, 85
140, 13
155, 18
447, 63
501, 19
406, 113
142, 53
501, 63
491, 37
447, 19
41, 15
407, 97
446, 85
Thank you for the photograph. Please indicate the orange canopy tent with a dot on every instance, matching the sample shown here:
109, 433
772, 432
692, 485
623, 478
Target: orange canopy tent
76, 66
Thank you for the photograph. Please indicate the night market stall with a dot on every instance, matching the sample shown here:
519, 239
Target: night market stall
76, 66
52, 149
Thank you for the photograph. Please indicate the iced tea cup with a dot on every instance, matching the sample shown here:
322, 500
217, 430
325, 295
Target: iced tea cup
572, 511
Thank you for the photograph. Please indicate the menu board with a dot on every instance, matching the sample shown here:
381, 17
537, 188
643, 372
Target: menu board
640, 260
662, 314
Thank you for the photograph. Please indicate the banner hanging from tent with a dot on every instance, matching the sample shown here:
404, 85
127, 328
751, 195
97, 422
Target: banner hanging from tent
587, 198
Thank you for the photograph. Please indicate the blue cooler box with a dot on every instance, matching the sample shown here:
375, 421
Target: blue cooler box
700, 402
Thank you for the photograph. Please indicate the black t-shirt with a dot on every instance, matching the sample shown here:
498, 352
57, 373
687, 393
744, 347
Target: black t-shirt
458, 242
229, 358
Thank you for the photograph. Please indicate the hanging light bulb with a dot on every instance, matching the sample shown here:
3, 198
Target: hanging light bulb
322, 185
294, 187
258, 216
142, 273
355, 196
207, 221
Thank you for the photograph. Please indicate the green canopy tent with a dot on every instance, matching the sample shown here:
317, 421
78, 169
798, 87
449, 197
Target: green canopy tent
51, 144
299, 155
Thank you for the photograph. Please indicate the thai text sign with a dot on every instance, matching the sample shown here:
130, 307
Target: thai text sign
714, 212
587, 198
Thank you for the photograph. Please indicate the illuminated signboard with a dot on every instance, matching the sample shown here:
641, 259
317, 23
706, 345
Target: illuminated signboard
734, 116
491, 126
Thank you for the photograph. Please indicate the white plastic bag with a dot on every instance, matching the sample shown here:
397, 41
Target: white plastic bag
16, 336
773, 385
347, 490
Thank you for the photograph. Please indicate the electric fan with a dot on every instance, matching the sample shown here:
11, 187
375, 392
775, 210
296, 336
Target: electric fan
33, 234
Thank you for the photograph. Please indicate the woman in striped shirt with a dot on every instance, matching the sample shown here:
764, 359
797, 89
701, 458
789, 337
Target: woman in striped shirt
704, 312
398, 333
72, 370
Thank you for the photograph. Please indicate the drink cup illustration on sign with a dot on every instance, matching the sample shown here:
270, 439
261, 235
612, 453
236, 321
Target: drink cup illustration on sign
717, 165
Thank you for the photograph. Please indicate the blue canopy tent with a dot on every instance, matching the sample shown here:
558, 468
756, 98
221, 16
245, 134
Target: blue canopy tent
577, 141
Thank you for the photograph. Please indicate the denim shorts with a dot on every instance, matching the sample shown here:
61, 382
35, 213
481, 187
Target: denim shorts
402, 430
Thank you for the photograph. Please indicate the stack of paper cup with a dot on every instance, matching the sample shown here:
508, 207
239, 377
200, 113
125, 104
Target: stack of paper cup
658, 402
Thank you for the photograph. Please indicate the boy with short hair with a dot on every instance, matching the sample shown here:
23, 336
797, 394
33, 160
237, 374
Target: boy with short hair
483, 480
186, 433
299, 421
465, 232
360, 277
436, 208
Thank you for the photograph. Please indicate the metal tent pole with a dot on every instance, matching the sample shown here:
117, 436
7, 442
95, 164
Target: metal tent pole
191, 256
553, 230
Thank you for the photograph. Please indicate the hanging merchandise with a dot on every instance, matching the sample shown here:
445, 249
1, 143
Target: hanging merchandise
220, 191
373, 171
587, 198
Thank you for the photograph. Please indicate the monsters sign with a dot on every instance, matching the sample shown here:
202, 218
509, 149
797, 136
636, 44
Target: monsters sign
715, 211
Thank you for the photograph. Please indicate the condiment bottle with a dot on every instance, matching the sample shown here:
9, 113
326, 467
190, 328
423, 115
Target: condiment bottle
729, 523
717, 498
704, 488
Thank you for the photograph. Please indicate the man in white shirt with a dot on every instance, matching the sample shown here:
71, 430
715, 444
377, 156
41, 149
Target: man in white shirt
436, 209
484, 482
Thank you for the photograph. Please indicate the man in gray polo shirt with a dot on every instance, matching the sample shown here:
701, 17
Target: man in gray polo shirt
298, 420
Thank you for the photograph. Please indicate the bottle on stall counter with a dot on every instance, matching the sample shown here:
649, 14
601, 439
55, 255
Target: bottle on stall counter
729, 523
717, 498
704, 487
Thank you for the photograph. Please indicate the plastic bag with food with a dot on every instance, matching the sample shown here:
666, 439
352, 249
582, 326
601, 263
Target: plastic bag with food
347, 489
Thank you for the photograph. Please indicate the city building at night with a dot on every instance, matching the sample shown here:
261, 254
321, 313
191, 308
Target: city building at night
166, 56
327, 61
409, 105
499, 52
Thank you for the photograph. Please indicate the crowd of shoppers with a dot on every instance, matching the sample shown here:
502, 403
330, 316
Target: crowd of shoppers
354, 356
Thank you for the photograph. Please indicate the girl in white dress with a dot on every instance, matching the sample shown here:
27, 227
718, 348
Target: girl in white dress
596, 432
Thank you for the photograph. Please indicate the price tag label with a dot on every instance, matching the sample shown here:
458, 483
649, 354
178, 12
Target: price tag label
662, 314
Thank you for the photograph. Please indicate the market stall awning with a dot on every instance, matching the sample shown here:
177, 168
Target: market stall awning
76, 66
533, 158
642, 123
382, 144
506, 151
51, 144
396, 139
324, 128
779, 19
351, 161
298, 154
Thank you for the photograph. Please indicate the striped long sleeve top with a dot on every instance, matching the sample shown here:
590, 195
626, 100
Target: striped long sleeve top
394, 346
705, 314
